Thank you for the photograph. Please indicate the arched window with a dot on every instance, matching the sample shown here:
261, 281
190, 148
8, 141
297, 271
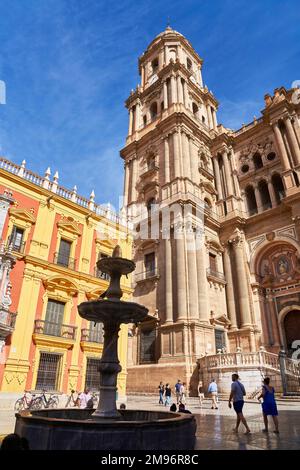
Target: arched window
153, 111
203, 119
207, 204
145, 120
278, 187
264, 194
154, 65
195, 110
251, 201
189, 64
257, 161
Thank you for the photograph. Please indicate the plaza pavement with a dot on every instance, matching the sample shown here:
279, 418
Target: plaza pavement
214, 427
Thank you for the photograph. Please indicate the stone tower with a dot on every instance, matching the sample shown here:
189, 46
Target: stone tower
172, 121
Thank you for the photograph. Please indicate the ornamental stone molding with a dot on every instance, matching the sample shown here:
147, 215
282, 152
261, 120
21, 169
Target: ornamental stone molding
264, 148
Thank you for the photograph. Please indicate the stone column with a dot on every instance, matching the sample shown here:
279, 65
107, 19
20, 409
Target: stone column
292, 141
193, 160
242, 282
228, 176
143, 76
258, 199
126, 184
218, 177
176, 154
173, 89
272, 193
297, 128
179, 90
202, 282
168, 271
165, 91
181, 278
130, 121
229, 289
214, 116
209, 116
167, 159
138, 116
134, 179
283, 153
192, 277
274, 320
186, 95
185, 156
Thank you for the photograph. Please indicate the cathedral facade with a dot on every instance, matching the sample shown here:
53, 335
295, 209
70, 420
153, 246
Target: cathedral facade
238, 290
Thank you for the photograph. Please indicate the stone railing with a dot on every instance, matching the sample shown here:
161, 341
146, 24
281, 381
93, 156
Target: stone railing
237, 360
71, 195
246, 127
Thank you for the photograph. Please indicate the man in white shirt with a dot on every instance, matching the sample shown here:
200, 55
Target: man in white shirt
84, 397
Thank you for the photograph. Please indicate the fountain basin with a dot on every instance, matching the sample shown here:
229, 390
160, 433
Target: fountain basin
112, 310
72, 429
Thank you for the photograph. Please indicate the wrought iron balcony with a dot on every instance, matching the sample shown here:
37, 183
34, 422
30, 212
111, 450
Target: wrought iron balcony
44, 327
7, 323
215, 274
13, 245
63, 260
91, 336
148, 274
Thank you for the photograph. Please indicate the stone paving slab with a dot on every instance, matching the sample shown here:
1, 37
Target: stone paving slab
214, 427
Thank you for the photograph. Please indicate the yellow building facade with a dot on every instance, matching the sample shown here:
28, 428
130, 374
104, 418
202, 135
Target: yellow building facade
56, 237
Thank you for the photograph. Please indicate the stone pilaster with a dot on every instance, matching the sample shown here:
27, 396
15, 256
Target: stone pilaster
229, 288
169, 287
218, 177
242, 281
192, 277
292, 141
167, 159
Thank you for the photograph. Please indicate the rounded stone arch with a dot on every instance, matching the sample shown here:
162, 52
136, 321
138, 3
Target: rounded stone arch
260, 249
282, 315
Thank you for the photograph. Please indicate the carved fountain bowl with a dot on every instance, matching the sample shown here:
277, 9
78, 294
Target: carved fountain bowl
112, 310
117, 265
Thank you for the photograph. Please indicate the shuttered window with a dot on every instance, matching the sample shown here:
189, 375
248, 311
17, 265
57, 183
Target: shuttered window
16, 238
54, 318
96, 332
64, 253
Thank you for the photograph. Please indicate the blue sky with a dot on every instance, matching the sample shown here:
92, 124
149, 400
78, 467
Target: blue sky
69, 65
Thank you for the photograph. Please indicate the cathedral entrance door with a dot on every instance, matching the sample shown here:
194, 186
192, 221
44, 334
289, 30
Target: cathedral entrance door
291, 326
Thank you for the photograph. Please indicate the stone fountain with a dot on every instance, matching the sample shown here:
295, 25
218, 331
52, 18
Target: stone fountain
106, 428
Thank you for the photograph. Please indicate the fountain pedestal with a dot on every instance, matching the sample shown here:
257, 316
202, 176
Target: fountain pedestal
107, 428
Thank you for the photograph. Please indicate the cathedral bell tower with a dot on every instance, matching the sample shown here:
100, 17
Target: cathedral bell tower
172, 119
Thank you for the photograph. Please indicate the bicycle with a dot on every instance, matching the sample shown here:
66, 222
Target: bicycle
25, 403
73, 401
42, 402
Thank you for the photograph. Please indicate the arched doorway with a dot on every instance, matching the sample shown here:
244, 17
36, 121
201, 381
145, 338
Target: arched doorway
291, 326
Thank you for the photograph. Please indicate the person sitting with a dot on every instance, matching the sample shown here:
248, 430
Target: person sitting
173, 407
182, 409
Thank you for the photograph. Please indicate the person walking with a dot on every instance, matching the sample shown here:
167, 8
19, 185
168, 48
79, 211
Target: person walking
237, 396
182, 398
269, 407
168, 394
84, 398
161, 390
213, 390
200, 392
177, 391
